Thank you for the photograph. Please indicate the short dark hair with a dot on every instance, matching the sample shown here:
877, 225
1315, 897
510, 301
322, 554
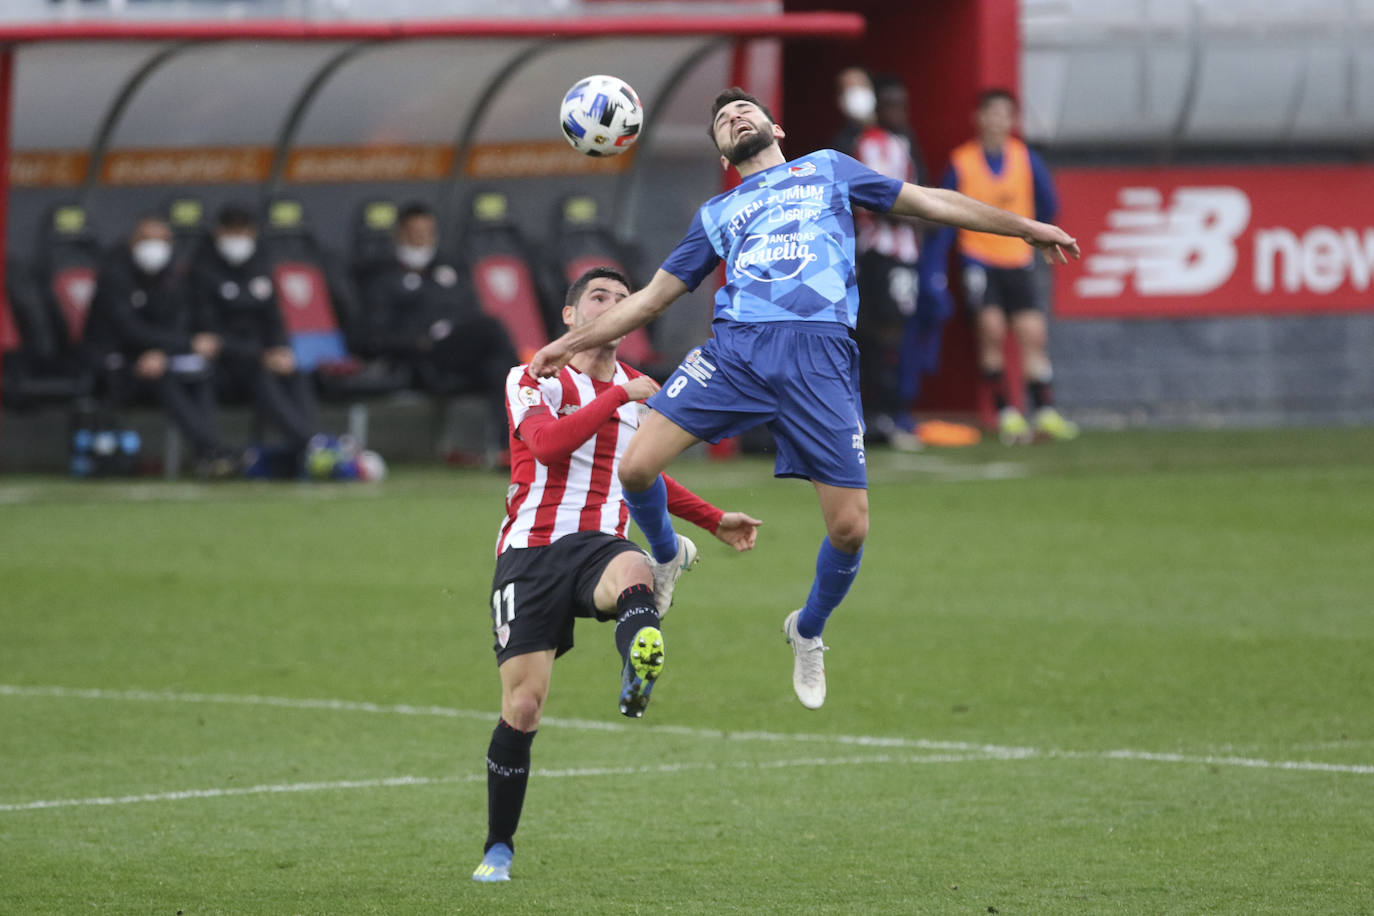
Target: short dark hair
579, 286
887, 81
412, 209
151, 216
995, 94
733, 94
236, 216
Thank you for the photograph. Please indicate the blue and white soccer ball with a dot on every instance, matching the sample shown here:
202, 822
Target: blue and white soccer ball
601, 116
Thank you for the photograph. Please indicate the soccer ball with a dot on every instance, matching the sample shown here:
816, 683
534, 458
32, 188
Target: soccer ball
601, 116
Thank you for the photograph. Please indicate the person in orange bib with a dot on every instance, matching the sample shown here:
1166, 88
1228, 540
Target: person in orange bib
1001, 284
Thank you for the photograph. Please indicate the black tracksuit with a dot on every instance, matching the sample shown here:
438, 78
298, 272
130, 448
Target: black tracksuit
240, 305
134, 312
428, 320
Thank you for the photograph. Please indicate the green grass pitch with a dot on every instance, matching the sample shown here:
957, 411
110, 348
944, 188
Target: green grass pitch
1130, 674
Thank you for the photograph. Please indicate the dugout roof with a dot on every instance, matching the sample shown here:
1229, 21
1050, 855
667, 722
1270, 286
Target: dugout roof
266, 102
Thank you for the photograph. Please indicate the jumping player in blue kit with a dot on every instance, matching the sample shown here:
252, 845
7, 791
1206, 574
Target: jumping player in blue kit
780, 352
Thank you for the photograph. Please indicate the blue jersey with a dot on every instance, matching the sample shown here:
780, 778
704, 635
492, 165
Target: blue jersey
786, 235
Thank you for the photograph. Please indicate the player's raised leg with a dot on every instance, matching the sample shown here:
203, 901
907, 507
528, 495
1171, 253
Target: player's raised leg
626, 588
524, 687
654, 445
837, 564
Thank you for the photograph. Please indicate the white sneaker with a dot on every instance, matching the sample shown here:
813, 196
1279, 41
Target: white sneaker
666, 574
808, 666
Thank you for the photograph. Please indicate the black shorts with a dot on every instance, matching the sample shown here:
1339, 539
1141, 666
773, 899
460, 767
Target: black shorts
538, 592
887, 290
1012, 289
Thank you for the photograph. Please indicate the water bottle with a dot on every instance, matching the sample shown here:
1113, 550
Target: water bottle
82, 465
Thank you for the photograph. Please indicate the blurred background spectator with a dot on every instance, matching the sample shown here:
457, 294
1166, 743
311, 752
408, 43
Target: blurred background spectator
142, 338
238, 322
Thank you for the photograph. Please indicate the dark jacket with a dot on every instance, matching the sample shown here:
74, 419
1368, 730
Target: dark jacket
237, 303
401, 305
133, 312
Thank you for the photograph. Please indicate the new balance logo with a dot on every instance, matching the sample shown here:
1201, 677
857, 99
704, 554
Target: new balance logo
1185, 250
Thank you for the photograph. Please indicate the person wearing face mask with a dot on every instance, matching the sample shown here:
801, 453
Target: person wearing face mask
141, 330
888, 250
858, 104
236, 308
419, 312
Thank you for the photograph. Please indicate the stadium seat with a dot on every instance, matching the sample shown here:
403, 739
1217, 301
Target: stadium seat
311, 298
49, 301
190, 231
503, 279
41, 368
372, 243
68, 258
582, 241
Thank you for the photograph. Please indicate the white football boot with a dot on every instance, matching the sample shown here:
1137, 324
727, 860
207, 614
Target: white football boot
808, 665
666, 574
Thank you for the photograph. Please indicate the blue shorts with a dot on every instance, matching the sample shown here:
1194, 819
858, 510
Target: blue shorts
799, 377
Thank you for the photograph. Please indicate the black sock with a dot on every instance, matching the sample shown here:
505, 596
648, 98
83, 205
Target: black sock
1040, 394
508, 772
993, 379
635, 609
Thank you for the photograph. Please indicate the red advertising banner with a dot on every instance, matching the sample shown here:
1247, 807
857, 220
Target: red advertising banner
1174, 243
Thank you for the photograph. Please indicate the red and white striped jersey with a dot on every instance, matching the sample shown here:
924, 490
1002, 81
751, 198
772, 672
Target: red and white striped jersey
579, 491
887, 154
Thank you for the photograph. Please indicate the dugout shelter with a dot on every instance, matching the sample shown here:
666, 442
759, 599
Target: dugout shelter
118, 117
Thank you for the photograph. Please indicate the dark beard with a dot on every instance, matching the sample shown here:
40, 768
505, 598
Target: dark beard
748, 147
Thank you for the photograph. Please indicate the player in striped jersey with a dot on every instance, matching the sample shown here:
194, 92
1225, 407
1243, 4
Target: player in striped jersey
562, 552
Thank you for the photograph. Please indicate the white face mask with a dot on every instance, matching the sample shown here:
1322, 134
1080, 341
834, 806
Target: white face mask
236, 248
151, 255
416, 257
859, 103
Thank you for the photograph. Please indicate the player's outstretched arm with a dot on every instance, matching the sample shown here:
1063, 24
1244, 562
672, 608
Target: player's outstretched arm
634, 311
737, 529
941, 205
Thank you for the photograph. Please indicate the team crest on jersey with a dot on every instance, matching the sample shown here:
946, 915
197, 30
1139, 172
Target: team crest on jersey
503, 634
801, 171
530, 397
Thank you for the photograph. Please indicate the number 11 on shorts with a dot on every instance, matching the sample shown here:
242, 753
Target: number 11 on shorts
503, 605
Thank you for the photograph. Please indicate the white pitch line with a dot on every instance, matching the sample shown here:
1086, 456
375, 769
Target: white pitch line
186, 794
405, 709
983, 751
397, 781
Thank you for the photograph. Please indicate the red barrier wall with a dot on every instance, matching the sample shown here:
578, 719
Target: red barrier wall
946, 51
